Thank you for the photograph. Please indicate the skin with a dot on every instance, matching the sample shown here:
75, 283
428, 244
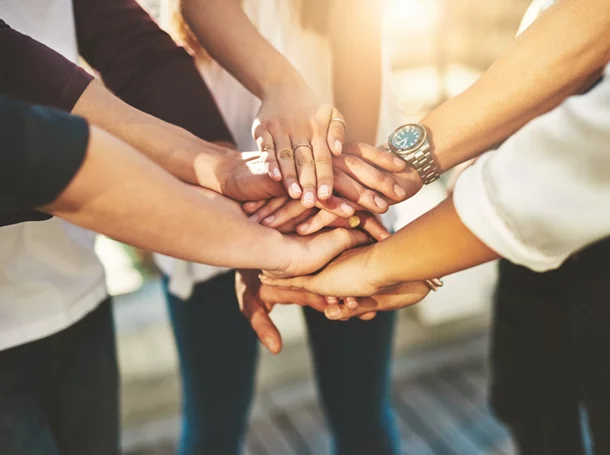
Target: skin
120, 193
290, 115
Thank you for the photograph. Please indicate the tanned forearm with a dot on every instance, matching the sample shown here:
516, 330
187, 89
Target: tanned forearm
560, 54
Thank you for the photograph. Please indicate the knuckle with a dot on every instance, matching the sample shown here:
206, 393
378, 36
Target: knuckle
323, 159
304, 160
285, 155
382, 178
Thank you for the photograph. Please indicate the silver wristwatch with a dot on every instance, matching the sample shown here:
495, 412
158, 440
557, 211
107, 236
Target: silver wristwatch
410, 142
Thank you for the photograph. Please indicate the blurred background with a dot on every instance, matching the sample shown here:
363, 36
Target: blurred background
437, 48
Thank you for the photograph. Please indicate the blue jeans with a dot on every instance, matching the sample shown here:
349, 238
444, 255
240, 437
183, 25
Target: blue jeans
218, 352
59, 395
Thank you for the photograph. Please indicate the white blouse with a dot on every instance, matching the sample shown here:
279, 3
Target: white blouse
545, 193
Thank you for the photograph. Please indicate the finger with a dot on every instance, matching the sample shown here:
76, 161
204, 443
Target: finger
368, 316
372, 225
337, 206
306, 171
351, 302
285, 158
338, 312
289, 211
265, 330
379, 157
264, 142
329, 244
379, 180
319, 221
291, 226
253, 206
353, 191
299, 282
293, 296
324, 167
336, 132
266, 213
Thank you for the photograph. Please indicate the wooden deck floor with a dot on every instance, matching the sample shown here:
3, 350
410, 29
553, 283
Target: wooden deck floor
443, 412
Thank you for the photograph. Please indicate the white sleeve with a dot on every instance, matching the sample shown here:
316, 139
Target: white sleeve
545, 193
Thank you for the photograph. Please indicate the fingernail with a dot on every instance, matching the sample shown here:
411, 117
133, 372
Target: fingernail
254, 218
277, 174
384, 236
269, 219
262, 277
398, 161
295, 188
333, 312
380, 202
346, 208
399, 191
324, 191
303, 227
338, 146
270, 343
309, 198
331, 299
352, 304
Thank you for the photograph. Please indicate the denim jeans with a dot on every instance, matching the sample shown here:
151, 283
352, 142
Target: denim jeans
551, 354
59, 394
218, 353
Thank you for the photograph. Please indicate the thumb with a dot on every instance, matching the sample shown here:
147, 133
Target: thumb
266, 331
332, 243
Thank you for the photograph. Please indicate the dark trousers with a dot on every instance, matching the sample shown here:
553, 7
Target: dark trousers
218, 352
59, 395
551, 354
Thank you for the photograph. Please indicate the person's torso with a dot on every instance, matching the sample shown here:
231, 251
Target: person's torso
49, 273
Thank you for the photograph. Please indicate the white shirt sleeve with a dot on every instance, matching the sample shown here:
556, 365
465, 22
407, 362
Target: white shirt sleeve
545, 193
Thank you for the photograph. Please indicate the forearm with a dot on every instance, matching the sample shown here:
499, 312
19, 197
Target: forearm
121, 194
434, 245
558, 55
231, 39
355, 40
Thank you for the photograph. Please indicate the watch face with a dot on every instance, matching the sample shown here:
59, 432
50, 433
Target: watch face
408, 137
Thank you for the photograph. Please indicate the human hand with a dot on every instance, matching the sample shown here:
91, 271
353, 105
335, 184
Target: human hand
300, 137
391, 298
256, 301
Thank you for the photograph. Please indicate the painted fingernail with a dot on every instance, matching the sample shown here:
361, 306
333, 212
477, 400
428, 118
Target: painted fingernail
399, 191
338, 146
380, 202
346, 208
333, 312
324, 191
354, 221
277, 174
269, 219
398, 161
295, 188
309, 198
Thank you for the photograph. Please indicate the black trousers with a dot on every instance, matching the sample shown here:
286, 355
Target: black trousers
550, 354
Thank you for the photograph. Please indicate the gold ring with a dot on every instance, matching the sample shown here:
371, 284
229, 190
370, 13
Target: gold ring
340, 120
294, 149
354, 221
434, 284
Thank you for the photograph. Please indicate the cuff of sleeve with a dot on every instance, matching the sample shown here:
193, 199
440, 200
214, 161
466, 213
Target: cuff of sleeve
477, 211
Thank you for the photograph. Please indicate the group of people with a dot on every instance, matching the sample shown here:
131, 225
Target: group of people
152, 152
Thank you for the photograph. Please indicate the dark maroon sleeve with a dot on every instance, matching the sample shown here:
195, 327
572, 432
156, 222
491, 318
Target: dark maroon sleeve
143, 66
37, 74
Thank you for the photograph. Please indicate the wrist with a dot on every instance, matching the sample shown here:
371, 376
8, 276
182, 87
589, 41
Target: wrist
382, 274
282, 84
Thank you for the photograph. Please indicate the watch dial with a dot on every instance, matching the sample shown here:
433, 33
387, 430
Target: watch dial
408, 137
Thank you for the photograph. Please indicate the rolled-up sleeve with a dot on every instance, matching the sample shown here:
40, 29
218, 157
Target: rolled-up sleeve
142, 65
545, 193
37, 74
42, 149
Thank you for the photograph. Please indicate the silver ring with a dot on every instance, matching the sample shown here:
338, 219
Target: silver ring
434, 284
294, 149
340, 120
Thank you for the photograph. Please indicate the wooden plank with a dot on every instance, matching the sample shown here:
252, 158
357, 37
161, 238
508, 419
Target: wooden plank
271, 439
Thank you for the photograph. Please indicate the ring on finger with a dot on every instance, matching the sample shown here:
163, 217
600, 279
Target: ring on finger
294, 149
340, 120
434, 284
354, 221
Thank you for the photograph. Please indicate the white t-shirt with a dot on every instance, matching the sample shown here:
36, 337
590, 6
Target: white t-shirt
50, 276
279, 22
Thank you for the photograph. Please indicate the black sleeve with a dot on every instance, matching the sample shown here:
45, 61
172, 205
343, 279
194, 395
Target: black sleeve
41, 149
